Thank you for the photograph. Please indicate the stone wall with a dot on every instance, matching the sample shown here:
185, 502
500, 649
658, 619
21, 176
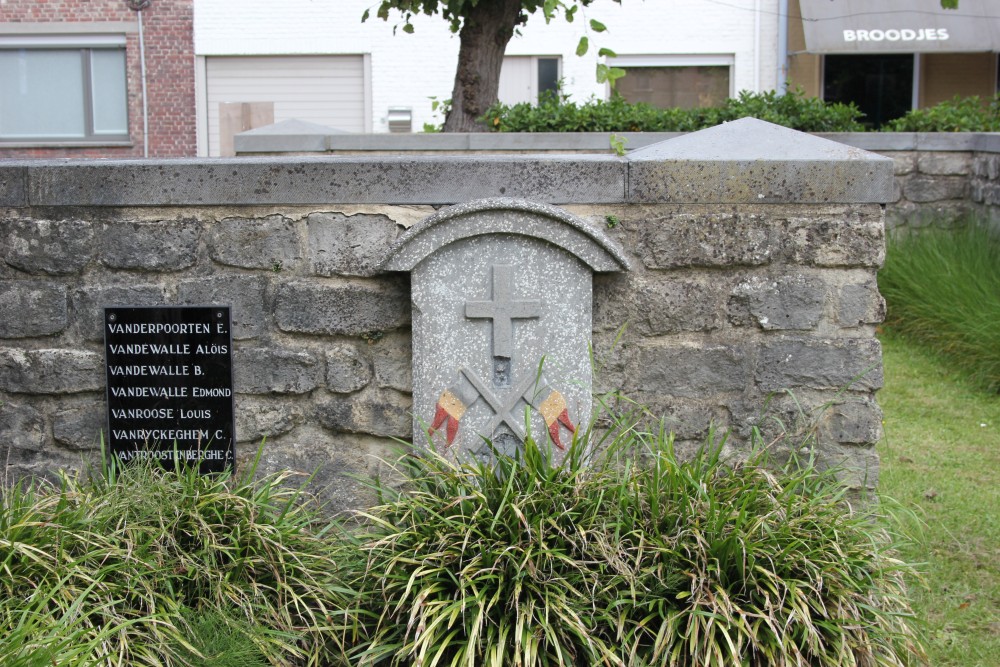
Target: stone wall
752, 277
984, 185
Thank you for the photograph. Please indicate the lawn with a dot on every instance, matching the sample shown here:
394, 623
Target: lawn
941, 459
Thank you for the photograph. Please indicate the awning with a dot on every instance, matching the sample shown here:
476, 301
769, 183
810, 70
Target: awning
900, 26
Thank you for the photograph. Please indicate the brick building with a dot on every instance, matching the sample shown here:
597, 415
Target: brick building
73, 82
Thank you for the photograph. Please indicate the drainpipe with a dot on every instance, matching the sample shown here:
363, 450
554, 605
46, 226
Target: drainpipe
782, 47
756, 46
138, 6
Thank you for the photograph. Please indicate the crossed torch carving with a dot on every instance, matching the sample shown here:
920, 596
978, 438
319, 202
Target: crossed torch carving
534, 391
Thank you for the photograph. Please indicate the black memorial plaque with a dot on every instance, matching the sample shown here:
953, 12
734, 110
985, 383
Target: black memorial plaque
170, 384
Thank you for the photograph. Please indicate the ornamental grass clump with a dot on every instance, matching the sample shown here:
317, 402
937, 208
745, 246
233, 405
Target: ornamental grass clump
626, 555
942, 289
158, 567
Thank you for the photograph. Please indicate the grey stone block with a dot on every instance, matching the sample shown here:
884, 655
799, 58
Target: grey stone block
752, 161
347, 370
392, 358
687, 421
925, 188
256, 243
349, 308
87, 305
820, 364
245, 294
987, 141
850, 241
275, 371
349, 245
305, 180
164, 245
948, 141
897, 191
14, 184
336, 464
786, 303
286, 136
855, 467
259, 418
666, 305
21, 427
854, 422
80, 428
382, 412
860, 304
874, 141
780, 420
612, 300
712, 239
50, 371
904, 162
944, 164
54, 247
696, 372
31, 308
614, 361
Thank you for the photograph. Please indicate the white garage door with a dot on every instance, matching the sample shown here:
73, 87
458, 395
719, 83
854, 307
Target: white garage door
329, 90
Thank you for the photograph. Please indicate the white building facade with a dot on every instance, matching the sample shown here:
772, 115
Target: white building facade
262, 61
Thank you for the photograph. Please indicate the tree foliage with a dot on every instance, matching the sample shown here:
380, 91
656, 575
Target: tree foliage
485, 27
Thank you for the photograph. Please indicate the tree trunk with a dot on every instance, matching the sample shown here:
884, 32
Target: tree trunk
485, 32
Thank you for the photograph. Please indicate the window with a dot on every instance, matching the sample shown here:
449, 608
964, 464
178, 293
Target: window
63, 92
688, 82
528, 78
880, 84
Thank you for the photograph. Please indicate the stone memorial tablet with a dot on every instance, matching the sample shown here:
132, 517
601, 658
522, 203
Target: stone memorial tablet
502, 297
170, 384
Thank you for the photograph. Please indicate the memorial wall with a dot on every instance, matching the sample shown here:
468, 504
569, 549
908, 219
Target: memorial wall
724, 278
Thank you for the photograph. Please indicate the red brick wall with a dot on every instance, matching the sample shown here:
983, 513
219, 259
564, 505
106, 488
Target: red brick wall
168, 27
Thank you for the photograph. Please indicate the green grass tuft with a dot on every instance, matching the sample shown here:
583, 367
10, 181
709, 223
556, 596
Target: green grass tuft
130, 568
942, 287
628, 557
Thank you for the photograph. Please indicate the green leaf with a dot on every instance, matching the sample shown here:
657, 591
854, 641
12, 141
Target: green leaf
582, 47
602, 73
549, 9
604, 51
364, 17
949, 4
408, 28
597, 26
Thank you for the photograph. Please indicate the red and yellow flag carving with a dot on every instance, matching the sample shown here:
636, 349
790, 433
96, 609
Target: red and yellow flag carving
449, 410
555, 412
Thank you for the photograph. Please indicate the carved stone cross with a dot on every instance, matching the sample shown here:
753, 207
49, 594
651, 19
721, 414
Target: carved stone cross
503, 309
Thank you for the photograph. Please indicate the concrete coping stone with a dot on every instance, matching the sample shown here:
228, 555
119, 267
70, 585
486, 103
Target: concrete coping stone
989, 142
272, 139
745, 161
515, 216
750, 160
288, 135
